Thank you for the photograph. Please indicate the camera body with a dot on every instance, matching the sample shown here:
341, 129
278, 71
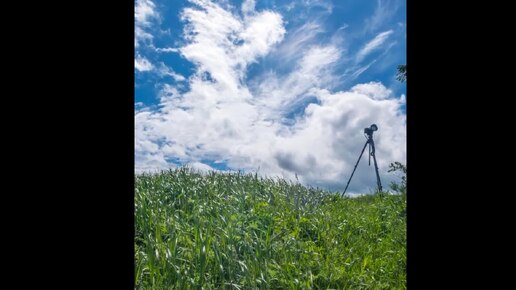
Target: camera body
369, 131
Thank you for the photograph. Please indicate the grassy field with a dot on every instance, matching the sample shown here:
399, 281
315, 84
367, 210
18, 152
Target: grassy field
235, 231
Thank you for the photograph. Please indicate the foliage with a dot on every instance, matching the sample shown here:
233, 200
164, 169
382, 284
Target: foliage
398, 167
401, 74
240, 231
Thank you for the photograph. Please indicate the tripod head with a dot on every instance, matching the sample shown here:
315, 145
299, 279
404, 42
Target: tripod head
369, 132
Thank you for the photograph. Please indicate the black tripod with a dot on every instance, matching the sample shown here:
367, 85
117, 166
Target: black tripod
369, 132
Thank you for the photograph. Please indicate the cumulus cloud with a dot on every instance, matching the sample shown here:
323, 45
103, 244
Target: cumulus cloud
374, 90
142, 64
247, 123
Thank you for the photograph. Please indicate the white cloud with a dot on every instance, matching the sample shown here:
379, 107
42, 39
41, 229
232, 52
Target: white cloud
373, 44
142, 64
144, 11
222, 117
223, 45
374, 90
201, 167
141, 35
144, 15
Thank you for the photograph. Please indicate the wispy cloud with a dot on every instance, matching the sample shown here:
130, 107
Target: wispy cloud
282, 93
373, 44
164, 70
248, 6
297, 42
228, 114
306, 9
167, 49
328, 5
384, 10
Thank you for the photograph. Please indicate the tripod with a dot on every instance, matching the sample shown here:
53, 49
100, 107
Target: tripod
369, 132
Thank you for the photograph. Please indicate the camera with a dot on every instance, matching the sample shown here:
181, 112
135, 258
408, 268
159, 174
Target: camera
369, 131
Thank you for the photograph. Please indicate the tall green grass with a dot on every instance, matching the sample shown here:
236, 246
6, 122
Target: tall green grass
236, 231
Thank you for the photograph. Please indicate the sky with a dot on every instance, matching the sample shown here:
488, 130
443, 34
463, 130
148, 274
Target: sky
282, 88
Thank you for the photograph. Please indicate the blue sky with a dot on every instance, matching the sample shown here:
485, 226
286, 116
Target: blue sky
278, 87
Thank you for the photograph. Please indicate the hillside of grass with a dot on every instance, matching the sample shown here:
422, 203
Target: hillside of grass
235, 231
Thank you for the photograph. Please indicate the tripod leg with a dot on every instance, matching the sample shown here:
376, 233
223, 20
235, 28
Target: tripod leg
361, 153
370, 154
376, 168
